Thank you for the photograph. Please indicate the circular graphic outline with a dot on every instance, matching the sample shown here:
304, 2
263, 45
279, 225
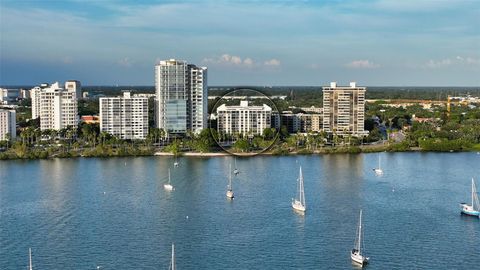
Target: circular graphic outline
229, 93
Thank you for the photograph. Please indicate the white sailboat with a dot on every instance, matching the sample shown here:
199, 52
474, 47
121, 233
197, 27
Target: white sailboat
168, 186
172, 265
474, 208
298, 203
175, 164
378, 171
235, 170
30, 266
356, 254
230, 193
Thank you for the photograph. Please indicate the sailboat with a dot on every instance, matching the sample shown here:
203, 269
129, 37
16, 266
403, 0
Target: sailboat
236, 171
175, 164
168, 186
298, 203
30, 266
356, 254
474, 208
172, 262
378, 171
230, 194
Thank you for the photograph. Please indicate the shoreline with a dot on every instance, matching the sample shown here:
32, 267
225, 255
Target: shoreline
266, 153
194, 154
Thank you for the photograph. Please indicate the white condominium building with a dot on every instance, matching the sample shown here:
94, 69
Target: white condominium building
198, 102
344, 110
181, 97
56, 106
124, 117
243, 119
35, 96
8, 124
75, 86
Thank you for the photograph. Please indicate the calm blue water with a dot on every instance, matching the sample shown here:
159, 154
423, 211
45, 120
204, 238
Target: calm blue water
411, 214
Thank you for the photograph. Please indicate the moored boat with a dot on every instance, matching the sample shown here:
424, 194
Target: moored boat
474, 208
298, 203
357, 254
230, 193
168, 186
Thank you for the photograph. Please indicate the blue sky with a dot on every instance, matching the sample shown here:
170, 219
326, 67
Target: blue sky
106, 42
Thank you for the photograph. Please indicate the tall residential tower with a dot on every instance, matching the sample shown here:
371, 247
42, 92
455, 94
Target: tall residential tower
344, 110
181, 97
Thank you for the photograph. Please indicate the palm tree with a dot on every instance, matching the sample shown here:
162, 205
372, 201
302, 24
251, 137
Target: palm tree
37, 134
53, 134
24, 135
103, 136
31, 135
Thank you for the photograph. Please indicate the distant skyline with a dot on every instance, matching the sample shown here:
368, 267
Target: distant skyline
376, 43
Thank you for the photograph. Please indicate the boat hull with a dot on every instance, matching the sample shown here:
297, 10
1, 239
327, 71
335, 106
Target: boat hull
230, 194
468, 210
298, 206
356, 257
168, 187
378, 171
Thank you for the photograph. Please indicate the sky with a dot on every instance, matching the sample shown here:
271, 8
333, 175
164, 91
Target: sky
372, 42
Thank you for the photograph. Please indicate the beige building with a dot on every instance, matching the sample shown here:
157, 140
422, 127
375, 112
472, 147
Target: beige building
317, 124
344, 109
243, 119
300, 122
8, 124
125, 117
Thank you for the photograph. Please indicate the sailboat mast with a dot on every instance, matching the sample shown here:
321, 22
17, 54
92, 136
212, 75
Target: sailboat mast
473, 192
301, 190
30, 258
169, 175
173, 256
360, 233
230, 177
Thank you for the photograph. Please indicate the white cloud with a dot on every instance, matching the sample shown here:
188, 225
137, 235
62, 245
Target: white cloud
272, 62
248, 61
234, 60
227, 59
125, 62
362, 64
475, 61
468, 60
458, 60
438, 64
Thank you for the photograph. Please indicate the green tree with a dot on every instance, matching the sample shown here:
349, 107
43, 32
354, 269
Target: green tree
241, 145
